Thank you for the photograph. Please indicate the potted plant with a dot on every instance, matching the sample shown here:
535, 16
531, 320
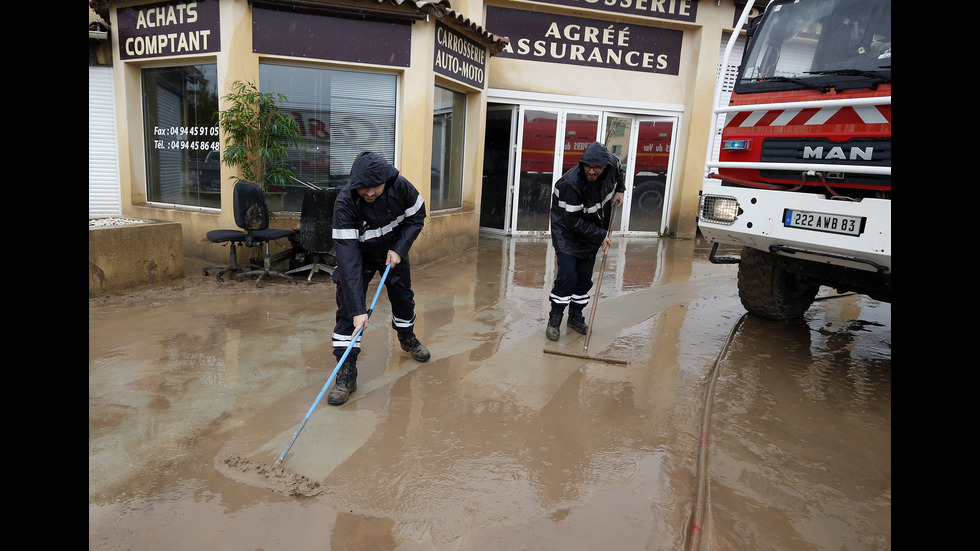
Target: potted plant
257, 135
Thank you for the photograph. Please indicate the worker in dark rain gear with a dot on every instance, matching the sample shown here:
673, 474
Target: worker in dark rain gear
580, 207
377, 216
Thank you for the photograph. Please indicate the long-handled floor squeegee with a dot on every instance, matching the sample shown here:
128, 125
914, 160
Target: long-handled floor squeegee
335, 370
595, 303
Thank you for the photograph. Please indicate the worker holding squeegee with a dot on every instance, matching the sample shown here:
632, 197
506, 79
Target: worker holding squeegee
377, 216
580, 212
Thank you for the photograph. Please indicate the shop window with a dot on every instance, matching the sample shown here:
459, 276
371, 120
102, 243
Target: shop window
340, 114
181, 135
448, 122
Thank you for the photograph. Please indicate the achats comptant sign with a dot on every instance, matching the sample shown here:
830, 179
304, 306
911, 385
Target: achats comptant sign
168, 29
553, 38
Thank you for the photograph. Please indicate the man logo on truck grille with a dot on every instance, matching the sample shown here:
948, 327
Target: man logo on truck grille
867, 151
856, 153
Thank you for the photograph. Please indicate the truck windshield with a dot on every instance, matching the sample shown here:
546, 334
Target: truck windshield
819, 44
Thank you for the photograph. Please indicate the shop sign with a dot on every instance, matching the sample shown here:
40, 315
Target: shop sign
315, 36
676, 10
458, 57
168, 29
552, 38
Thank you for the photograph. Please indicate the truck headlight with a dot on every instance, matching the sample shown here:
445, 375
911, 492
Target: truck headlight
719, 209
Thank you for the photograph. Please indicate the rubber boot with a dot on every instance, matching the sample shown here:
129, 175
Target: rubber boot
554, 322
576, 320
344, 384
412, 345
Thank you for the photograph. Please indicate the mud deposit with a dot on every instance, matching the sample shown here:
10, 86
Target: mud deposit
275, 478
195, 388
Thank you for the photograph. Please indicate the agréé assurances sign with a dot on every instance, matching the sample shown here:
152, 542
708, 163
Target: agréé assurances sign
554, 38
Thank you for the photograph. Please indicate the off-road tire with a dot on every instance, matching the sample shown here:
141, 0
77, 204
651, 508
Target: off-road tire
770, 291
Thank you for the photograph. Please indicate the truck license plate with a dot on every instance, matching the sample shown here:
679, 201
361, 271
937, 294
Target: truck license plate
833, 223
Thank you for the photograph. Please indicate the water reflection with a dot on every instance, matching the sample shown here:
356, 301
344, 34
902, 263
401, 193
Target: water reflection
526, 265
497, 434
801, 431
491, 444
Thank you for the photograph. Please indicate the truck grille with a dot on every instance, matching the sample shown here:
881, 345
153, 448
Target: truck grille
858, 151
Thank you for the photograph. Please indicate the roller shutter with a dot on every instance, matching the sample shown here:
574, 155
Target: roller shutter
103, 163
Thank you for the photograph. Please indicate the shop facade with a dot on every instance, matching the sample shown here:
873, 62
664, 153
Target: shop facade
482, 105
404, 79
636, 75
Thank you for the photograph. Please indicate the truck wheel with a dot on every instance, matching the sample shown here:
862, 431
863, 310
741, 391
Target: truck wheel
768, 290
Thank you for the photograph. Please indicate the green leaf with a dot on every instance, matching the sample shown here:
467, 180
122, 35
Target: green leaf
256, 134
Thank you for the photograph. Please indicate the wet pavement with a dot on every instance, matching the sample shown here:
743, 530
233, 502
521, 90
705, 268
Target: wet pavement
723, 431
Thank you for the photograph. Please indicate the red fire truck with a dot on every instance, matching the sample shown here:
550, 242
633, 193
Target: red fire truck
803, 178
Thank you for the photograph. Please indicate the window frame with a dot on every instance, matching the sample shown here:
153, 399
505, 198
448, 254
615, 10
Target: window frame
336, 179
146, 136
453, 200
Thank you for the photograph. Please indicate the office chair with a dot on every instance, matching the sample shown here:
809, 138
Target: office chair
233, 238
252, 215
315, 231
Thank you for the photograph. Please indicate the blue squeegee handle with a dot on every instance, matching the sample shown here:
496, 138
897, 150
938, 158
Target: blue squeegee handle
335, 369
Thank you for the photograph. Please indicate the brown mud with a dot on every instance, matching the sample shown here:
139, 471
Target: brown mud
276, 478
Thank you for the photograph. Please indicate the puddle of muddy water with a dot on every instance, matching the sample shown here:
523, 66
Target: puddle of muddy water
490, 444
801, 432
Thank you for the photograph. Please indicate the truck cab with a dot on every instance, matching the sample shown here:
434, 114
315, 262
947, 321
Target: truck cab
803, 178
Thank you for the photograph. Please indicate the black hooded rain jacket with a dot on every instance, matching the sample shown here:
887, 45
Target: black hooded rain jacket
364, 232
580, 210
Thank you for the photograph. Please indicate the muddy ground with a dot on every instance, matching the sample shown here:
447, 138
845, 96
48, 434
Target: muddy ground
493, 444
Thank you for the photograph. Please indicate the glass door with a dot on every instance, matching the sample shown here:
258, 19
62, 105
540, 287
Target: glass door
537, 158
617, 137
498, 158
550, 140
643, 145
581, 129
647, 200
